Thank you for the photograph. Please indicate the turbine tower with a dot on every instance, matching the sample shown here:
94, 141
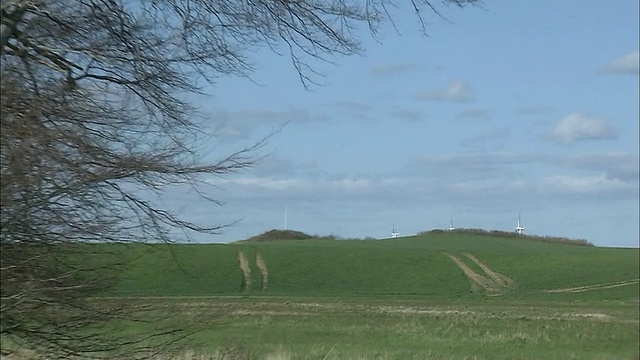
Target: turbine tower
519, 227
285, 218
451, 228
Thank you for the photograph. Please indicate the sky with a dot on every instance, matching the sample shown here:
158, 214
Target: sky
514, 107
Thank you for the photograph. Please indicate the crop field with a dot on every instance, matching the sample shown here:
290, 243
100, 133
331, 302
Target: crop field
434, 296
443, 266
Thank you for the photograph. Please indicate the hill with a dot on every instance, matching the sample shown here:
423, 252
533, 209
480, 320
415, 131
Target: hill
439, 265
274, 234
514, 235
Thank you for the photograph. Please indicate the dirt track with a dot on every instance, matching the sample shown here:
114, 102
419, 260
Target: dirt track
264, 273
246, 271
476, 278
593, 287
500, 279
493, 282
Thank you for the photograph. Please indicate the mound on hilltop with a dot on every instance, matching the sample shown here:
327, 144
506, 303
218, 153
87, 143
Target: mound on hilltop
513, 235
274, 234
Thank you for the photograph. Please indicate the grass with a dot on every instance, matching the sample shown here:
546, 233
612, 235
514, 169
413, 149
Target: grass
416, 266
311, 328
390, 299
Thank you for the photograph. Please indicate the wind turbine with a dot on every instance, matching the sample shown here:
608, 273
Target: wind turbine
519, 227
451, 228
285, 218
394, 233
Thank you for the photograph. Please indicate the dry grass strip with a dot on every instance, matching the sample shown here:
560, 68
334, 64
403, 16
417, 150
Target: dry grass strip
498, 278
264, 273
246, 271
594, 287
476, 278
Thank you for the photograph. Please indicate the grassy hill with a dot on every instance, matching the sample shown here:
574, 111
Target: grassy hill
272, 235
439, 265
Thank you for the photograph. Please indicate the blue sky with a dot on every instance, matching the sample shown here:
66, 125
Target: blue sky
521, 106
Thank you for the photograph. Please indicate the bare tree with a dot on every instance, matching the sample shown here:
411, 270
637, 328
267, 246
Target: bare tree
94, 117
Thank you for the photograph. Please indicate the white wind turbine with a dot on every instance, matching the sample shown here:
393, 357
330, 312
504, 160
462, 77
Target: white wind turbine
451, 228
394, 233
519, 227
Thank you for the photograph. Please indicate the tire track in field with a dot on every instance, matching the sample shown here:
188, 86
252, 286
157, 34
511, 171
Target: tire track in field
498, 278
494, 282
246, 271
593, 287
475, 278
264, 273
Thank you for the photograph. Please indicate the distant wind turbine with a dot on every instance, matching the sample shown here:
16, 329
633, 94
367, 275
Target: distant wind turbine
285, 218
519, 227
394, 233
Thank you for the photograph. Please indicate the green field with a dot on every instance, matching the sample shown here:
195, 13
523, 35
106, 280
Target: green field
441, 295
406, 267
435, 296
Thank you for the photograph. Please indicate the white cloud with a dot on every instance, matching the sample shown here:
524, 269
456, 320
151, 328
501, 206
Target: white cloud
622, 166
392, 69
457, 91
233, 125
276, 166
270, 183
465, 166
349, 184
627, 64
571, 184
579, 127
490, 187
495, 190
275, 187
494, 165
